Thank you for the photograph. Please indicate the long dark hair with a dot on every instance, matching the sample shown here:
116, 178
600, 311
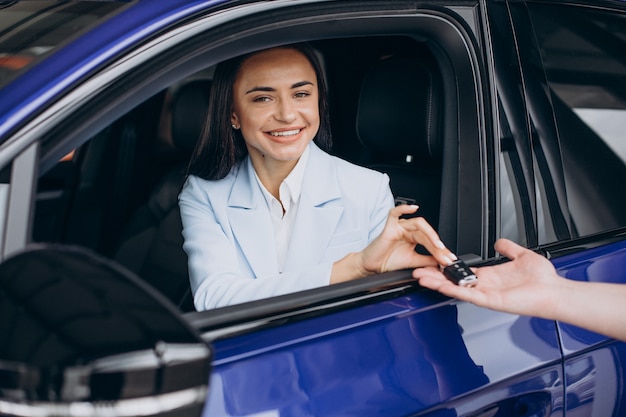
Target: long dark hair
220, 146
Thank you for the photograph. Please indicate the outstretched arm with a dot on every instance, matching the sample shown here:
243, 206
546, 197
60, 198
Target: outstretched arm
529, 285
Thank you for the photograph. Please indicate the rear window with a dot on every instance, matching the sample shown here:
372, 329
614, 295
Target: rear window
29, 30
583, 55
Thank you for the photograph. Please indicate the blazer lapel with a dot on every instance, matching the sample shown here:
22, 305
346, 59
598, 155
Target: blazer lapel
319, 211
252, 231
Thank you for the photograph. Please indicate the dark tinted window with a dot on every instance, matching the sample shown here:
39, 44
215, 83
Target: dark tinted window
31, 29
583, 53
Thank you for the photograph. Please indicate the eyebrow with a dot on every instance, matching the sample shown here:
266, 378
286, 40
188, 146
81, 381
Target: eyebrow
270, 89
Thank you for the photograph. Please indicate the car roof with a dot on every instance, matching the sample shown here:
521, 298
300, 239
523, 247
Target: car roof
130, 24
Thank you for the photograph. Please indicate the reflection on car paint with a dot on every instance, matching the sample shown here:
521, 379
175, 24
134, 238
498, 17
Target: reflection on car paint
415, 358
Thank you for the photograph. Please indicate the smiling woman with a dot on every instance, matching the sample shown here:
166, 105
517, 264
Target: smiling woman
266, 211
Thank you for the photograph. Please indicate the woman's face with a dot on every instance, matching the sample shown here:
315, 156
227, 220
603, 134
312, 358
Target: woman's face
275, 103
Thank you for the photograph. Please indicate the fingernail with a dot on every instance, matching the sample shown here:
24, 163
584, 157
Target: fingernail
440, 245
454, 257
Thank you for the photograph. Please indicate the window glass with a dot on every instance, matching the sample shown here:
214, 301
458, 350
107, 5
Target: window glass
32, 29
510, 223
513, 196
582, 51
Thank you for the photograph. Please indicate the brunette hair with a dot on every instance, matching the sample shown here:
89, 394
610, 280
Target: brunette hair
220, 146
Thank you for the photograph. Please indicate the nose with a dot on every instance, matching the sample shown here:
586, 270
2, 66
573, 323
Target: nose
285, 111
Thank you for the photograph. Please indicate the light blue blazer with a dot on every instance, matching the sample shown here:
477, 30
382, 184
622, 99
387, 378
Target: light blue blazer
229, 239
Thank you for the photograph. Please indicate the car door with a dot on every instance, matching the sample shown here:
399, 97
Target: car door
383, 346
573, 71
377, 346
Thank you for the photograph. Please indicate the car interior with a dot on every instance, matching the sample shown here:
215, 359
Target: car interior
117, 194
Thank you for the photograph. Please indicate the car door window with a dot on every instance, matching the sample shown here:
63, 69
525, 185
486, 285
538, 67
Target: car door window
92, 204
582, 51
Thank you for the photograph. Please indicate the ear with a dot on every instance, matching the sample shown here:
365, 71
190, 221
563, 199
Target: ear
234, 120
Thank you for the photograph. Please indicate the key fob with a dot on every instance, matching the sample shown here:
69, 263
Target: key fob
460, 274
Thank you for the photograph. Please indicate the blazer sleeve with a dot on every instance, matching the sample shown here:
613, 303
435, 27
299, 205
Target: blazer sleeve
380, 210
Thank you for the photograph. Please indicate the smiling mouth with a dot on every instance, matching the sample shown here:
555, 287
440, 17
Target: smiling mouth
286, 133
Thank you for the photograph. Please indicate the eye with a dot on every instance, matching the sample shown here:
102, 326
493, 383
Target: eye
302, 94
261, 99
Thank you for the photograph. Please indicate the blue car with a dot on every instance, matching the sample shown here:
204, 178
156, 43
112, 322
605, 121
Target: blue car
500, 118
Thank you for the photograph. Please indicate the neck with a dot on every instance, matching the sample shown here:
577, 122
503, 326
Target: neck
272, 173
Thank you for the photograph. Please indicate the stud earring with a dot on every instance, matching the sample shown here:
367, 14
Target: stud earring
235, 126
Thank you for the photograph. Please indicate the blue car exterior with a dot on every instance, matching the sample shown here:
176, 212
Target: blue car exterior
422, 354
382, 346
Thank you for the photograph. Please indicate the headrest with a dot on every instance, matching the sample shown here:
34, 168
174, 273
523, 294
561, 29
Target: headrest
398, 110
190, 105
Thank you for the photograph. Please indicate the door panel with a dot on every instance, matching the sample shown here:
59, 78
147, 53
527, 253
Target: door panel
594, 363
580, 50
420, 354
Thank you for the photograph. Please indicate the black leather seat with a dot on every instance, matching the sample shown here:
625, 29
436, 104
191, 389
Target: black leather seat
152, 245
399, 124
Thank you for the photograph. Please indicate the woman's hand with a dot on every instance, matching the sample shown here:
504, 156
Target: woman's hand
394, 248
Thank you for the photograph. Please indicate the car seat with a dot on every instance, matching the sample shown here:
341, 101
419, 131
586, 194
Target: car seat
399, 124
152, 245
86, 200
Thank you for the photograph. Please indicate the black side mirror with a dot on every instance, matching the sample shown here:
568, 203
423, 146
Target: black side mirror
80, 336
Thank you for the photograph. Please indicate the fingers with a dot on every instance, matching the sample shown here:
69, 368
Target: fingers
416, 224
401, 209
418, 231
509, 248
424, 260
423, 233
419, 224
429, 277
433, 279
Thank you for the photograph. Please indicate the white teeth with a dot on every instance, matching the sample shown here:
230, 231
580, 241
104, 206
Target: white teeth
285, 133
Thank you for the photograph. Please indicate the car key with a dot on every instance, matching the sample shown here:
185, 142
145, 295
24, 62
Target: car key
459, 273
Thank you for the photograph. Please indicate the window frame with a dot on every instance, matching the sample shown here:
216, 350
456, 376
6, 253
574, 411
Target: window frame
542, 133
208, 39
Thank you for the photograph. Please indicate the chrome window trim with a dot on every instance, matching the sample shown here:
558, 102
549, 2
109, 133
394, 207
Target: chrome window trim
5, 190
20, 201
235, 329
145, 406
